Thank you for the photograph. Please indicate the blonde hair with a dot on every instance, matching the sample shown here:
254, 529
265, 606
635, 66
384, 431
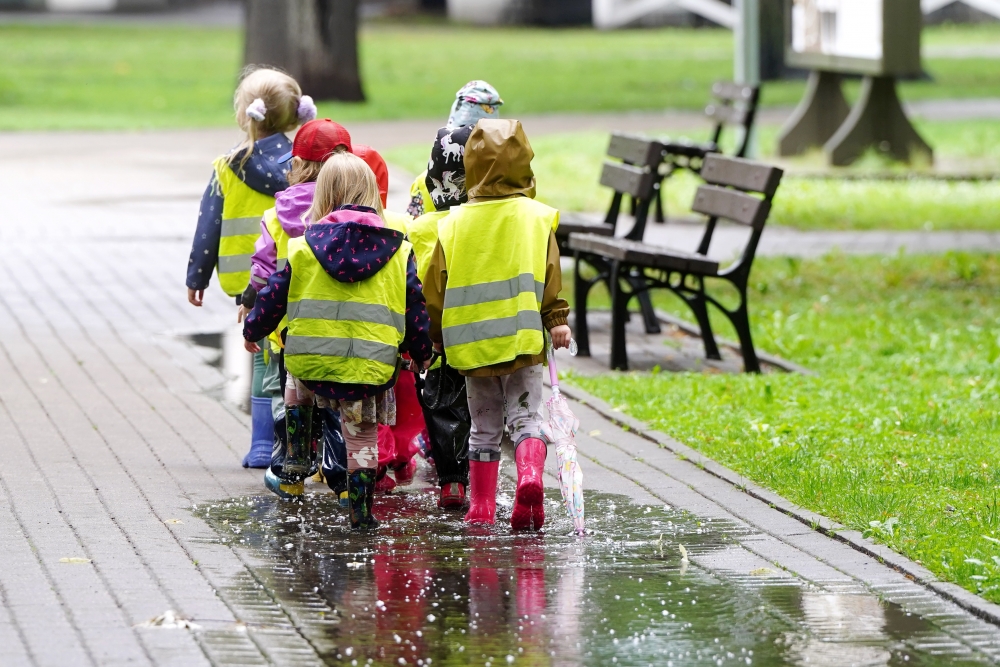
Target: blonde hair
305, 171
280, 95
345, 179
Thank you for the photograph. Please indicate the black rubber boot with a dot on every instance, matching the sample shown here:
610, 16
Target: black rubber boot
361, 493
299, 454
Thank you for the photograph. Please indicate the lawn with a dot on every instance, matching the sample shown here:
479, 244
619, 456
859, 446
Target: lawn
93, 76
896, 434
567, 167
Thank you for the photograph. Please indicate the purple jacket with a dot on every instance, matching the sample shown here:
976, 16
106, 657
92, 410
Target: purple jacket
292, 206
351, 244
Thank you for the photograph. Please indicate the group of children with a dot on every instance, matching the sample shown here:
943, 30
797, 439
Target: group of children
345, 304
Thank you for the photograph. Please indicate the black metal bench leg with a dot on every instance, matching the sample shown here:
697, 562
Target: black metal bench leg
699, 307
649, 319
619, 315
581, 290
741, 322
658, 202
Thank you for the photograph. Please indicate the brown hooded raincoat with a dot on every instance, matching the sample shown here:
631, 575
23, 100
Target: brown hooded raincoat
498, 166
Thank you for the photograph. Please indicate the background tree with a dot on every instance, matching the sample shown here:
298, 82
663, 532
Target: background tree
316, 41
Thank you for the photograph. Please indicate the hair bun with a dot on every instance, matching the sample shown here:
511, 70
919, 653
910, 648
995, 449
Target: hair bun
257, 110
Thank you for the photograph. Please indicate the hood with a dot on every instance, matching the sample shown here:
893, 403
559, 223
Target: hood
474, 100
498, 161
353, 243
292, 206
445, 178
262, 171
378, 166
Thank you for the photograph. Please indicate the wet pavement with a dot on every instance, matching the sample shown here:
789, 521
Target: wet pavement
648, 585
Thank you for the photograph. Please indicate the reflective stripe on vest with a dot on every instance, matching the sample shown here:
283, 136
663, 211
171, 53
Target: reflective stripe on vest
344, 332
496, 253
242, 208
423, 234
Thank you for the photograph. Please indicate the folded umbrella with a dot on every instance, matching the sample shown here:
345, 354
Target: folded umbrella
560, 430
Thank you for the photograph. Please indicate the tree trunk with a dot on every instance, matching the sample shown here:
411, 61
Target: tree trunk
316, 41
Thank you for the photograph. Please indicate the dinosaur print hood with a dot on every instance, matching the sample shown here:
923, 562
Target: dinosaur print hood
353, 243
498, 161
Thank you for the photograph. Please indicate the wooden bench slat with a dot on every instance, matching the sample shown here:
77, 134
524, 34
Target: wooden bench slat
727, 90
626, 178
567, 227
644, 254
740, 173
729, 204
726, 114
640, 151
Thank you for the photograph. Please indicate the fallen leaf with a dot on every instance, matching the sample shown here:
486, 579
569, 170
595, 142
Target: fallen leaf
169, 620
594, 433
761, 571
173, 521
75, 559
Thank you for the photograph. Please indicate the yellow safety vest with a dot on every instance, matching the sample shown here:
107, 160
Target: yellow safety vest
280, 237
496, 254
398, 221
424, 237
419, 189
242, 209
344, 332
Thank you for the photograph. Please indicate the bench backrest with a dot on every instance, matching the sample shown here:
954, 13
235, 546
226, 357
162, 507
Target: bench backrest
740, 191
636, 176
733, 104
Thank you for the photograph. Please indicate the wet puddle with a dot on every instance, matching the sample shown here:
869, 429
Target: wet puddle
427, 590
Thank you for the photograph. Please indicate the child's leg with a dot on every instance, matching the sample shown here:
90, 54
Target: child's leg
361, 440
486, 409
302, 430
523, 393
261, 420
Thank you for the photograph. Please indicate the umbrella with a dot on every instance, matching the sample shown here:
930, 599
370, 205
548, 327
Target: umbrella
560, 431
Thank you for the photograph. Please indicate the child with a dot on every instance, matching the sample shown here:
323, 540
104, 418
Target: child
267, 103
399, 444
446, 189
474, 100
314, 143
354, 302
492, 290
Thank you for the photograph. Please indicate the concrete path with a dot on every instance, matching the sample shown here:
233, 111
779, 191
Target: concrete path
111, 431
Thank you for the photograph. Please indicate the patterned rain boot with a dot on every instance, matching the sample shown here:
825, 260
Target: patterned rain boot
299, 453
361, 495
286, 490
452, 496
529, 508
483, 491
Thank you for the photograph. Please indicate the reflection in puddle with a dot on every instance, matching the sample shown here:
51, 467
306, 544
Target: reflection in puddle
224, 350
427, 590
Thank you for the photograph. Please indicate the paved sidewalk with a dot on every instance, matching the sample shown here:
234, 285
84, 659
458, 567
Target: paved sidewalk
111, 432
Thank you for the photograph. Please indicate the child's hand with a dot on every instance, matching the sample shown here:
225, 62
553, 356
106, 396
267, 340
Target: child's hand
196, 297
561, 336
242, 313
251, 346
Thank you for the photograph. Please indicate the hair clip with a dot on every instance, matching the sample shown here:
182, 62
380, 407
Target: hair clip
257, 110
307, 109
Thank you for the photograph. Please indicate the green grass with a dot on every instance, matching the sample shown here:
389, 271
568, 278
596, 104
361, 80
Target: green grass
567, 167
92, 76
897, 433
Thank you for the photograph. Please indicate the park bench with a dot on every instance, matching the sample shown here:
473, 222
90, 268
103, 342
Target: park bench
634, 267
733, 104
633, 174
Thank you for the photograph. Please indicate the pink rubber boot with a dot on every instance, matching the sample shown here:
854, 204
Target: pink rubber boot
483, 492
529, 510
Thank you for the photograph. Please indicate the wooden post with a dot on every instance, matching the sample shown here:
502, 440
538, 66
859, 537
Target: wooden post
316, 41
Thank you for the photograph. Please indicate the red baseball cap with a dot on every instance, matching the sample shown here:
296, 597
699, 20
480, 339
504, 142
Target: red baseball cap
317, 140
377, 164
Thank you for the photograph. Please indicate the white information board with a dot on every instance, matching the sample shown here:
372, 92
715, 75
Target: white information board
839, 28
